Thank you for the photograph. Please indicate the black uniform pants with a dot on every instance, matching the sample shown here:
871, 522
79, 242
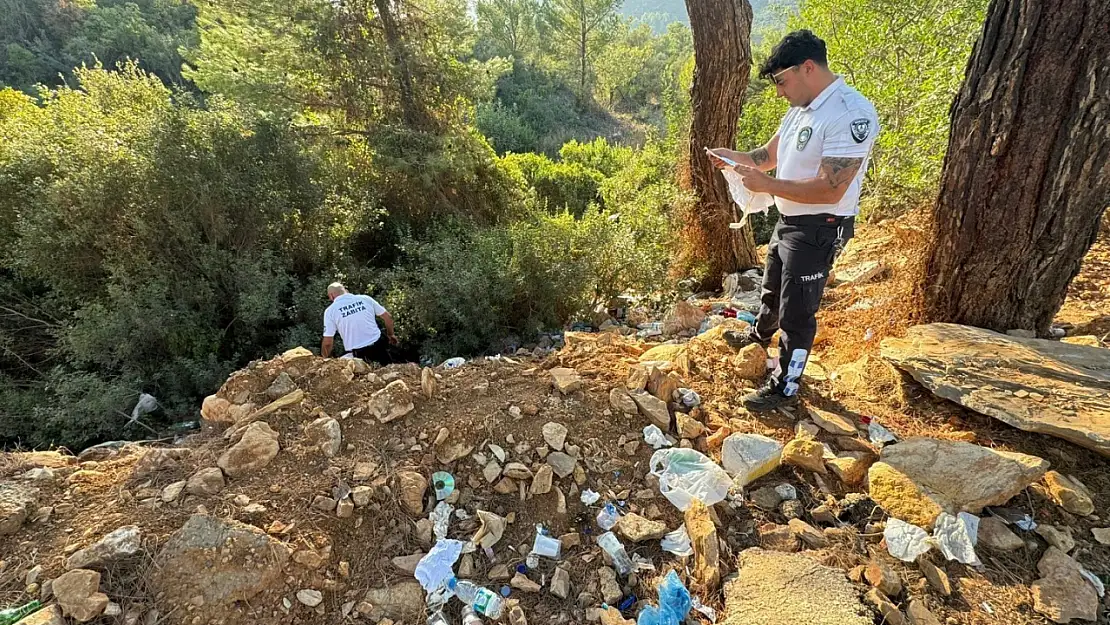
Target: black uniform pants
799, 257
377, 352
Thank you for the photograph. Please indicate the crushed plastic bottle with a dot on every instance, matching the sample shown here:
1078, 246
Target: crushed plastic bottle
14, 615
469, 616
483, 600
437, 618
607, 517
612, 545
454, 363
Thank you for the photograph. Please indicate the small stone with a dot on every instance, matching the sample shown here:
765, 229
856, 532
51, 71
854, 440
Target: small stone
429, 385
792, 509
364, 471
637, 529
767, 498
466, 566
621, 401
499, 573
1057, 537
560, 583
310, 558
79, 595
172, 491
778, 538
506, 486
254, 451
1062, 593
33, 575
936, 577
565, 380
205, 482
832, 422
653, 408
881, 576
1069, 493
326, 435
521, 582
119, 544
554, 434
851, 466
1101, 534
541, 483
918, 614
806, 454
491, 471
311, 598
517, 471
610, 589
362, 495
407, 564
885, 607
345, 509
241, 500
392, 402
823, 515
412, 486
324, 504
809, 535
561, 463
50, 615
994, 534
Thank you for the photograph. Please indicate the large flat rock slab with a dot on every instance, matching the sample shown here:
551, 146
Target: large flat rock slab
1035, 385
776, 588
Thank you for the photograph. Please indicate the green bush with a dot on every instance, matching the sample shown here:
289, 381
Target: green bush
598, 155
506, 130
558, 186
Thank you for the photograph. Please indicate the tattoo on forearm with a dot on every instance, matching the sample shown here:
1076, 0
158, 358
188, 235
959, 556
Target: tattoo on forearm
759, 156
839, 170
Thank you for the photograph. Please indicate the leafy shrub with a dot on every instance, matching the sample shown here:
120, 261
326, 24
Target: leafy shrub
558, 185
506, 130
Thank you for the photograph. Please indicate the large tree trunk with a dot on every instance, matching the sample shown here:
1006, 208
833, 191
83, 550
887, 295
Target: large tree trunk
722, 62
1027, 173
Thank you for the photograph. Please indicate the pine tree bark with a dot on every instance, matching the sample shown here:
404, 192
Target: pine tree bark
722, 63
1027, 173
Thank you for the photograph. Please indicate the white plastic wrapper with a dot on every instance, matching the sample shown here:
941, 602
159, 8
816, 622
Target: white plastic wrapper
747, 201
590, 497
878, 434
678, 542
956, 536
905, 541
441, 518
656, 438
437, 566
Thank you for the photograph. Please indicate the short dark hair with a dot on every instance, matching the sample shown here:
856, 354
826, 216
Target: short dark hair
794, 49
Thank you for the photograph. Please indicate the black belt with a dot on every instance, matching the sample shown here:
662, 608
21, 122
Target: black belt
822, 219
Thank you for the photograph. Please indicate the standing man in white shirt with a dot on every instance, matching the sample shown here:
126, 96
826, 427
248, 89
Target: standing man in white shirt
819, 155
354, 316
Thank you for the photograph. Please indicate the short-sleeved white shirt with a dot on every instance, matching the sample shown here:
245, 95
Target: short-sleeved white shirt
355, 316
839, 122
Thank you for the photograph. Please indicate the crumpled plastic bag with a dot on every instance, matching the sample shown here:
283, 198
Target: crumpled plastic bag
685, 475
674, 604
435, 568
590, 497
905, 541
656, 438
490, 531
441, 519
747, 201
956, 536
678, 542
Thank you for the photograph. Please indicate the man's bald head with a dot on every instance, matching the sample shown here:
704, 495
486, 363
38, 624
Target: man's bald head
335, 289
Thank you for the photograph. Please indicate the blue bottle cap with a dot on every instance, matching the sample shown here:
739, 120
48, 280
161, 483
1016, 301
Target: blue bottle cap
522, 568
506, 591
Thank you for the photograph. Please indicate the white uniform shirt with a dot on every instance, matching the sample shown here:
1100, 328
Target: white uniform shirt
355, 318
840, 122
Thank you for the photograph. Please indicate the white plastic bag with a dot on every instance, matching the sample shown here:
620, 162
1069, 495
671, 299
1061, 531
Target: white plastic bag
905, 541
956, 537
685, 475
678, 542
656, 438
435, 568
747, 201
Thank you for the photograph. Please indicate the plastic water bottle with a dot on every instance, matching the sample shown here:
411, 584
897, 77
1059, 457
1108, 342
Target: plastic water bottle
483, 600
612, 546
607, 517
469, 616
438, 619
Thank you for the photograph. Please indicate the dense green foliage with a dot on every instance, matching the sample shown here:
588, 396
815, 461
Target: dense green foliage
486, 175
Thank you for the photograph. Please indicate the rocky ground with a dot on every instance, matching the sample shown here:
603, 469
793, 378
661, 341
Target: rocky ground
307, 497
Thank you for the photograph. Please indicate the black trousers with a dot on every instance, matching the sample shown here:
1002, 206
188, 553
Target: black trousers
378, 352
799, 258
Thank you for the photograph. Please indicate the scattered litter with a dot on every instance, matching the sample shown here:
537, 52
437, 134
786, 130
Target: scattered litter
787, 492
956, 536
490, 531
674, 603
444, 484
878, 434
1100, 588
483, 600
545, 546
650, 329
1058, 333
706, 611
640, 563
678, 542
461, 514
987, 607
656, 438
689, 398
441, 518
747, 201
435, 568
685, 475
905, 541
612, 545
607, 517
744, 315
454, 363
1026, 523
590, 497
1016, 517
506, 590
869, 334
627, 603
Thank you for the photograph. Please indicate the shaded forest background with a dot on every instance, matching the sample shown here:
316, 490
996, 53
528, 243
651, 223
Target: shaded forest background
180, 179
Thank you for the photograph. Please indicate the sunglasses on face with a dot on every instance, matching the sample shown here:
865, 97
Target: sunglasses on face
779, 81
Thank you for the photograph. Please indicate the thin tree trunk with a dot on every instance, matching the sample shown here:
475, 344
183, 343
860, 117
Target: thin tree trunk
722, 62
1027, 173
411, 110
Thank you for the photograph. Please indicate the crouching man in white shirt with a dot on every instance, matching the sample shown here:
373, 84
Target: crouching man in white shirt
355, 317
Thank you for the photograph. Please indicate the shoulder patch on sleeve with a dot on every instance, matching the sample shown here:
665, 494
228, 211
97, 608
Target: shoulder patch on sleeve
861, 128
